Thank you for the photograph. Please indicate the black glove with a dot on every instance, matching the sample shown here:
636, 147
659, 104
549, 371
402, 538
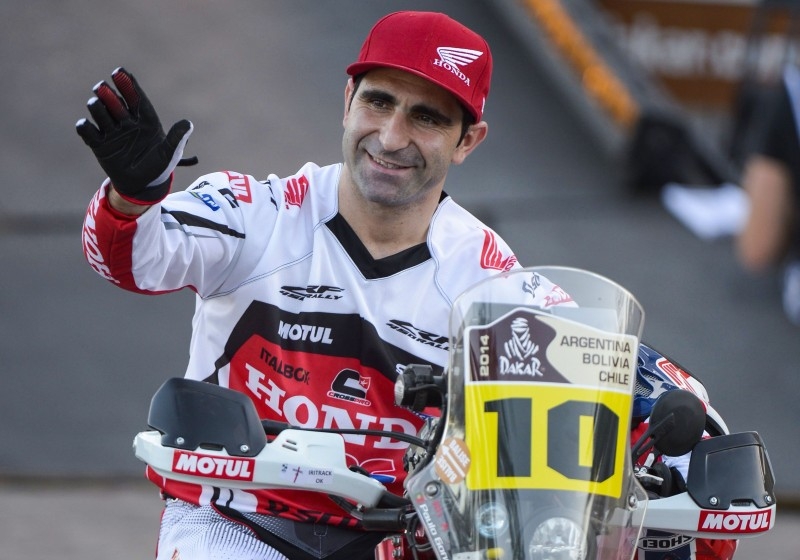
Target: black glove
664, 481
129, 141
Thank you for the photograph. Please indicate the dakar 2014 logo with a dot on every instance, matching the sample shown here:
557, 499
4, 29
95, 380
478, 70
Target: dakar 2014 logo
510, 349
520, 351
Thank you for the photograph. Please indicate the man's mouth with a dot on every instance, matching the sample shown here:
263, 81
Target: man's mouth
386, 164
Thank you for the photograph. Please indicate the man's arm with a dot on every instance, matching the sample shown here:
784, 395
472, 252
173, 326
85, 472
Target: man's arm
763, 241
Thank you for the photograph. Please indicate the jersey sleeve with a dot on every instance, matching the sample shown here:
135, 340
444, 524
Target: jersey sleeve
197, 238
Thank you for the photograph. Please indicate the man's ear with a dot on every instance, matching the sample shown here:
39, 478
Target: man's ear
349, 88
472, 139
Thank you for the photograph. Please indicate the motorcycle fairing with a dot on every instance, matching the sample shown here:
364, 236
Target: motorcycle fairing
535, 448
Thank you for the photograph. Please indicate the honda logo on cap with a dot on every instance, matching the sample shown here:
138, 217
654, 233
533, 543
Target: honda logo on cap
453, 58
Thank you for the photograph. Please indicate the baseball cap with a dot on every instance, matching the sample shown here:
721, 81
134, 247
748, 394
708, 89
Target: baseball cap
435, 47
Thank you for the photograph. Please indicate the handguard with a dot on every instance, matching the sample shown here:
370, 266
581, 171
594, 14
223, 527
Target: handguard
206, 434
730, 492
294, 460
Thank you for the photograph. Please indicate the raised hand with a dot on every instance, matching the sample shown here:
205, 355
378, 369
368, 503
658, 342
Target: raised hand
129, 142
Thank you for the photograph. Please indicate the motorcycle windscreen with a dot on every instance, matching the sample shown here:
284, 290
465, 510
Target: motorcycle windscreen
534, 461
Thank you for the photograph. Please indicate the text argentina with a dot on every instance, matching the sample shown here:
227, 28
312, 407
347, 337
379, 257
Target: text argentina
593, 343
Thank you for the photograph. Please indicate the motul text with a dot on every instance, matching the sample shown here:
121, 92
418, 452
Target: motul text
226, 468
735, 522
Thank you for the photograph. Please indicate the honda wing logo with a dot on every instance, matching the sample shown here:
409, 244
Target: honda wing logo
492, 257
458, 57
453, 58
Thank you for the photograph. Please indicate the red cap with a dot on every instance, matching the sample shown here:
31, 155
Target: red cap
435, 47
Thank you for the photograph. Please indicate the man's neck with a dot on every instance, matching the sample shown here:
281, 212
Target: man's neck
386, 233
385, 230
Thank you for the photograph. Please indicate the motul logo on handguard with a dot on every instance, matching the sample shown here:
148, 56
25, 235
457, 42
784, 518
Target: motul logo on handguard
735, 522
226, 468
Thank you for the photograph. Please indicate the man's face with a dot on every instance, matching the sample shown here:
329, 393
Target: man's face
401, 133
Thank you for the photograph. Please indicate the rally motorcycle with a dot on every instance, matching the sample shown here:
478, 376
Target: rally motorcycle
530, 456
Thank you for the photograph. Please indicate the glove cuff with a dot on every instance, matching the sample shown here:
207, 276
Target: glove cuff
149, 196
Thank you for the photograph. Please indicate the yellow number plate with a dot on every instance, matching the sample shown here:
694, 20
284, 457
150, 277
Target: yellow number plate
546, 436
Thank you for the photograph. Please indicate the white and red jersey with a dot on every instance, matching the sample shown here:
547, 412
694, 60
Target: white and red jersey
292, 310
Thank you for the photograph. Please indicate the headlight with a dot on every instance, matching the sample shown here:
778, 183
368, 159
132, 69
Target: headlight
558, 538
491, 520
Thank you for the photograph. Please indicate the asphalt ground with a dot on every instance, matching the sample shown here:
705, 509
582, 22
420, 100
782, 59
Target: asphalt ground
263, 82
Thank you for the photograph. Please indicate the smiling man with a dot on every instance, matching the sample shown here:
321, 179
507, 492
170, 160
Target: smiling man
313, 290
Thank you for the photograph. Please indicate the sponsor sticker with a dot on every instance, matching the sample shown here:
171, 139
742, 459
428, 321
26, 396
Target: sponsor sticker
452, 460
732, 522
213, 466
297, 474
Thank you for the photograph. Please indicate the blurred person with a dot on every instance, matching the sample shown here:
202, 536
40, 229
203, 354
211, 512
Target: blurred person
761, 211
770, 236
312, 290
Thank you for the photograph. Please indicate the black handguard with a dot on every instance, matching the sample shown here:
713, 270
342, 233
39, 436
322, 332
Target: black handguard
129, 142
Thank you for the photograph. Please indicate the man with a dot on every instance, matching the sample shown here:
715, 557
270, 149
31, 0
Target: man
312, 290
771, 235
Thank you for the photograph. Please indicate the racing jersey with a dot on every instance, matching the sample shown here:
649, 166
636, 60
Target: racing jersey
292, 310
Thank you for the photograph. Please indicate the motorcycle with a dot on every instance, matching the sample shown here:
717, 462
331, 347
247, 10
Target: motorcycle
530, 456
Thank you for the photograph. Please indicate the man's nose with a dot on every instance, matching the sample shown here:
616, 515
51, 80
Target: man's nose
394, 133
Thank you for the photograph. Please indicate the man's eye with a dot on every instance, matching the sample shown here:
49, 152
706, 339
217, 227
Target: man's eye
377, 103
427, 119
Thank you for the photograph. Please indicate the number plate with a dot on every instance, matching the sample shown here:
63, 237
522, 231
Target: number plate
548, 404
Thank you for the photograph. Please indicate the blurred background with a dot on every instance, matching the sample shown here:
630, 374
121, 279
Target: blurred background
595, 106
